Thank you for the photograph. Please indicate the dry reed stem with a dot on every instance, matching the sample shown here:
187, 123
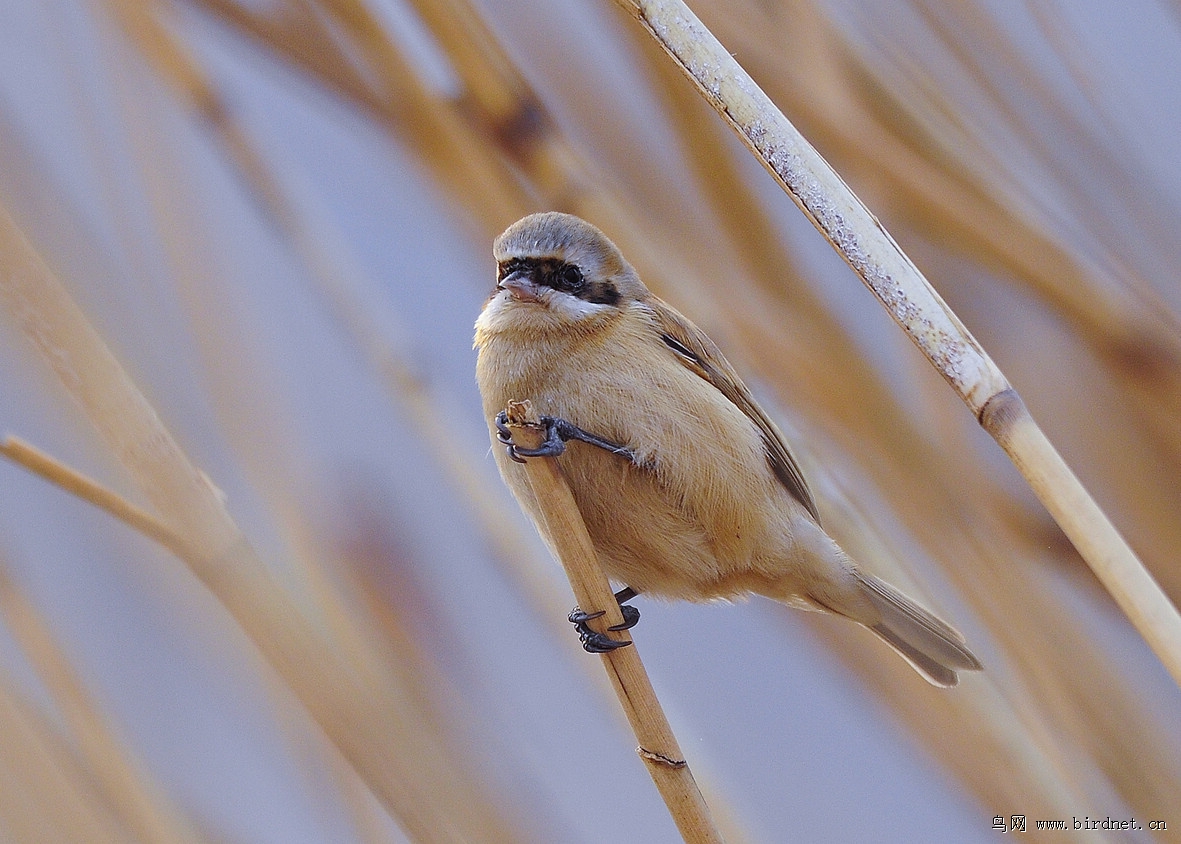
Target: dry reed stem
362, 709
1126, 323
1007, 419
90, 490
862, 241
572, 544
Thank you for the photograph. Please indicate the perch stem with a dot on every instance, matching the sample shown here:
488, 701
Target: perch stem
657, 745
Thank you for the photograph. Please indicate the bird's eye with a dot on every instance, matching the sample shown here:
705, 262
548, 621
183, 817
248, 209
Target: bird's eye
571, 277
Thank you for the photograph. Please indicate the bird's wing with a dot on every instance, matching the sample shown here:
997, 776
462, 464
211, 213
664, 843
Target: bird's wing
699, 354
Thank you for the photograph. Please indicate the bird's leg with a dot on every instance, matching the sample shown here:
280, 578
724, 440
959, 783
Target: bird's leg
567, 431
557, 433
597, 643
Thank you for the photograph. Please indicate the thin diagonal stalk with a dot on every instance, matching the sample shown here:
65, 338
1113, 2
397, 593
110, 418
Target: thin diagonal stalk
909, 298
90, 490
572, 544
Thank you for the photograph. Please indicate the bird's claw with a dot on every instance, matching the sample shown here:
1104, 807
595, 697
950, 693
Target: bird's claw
631, 617
600, 643
594, 642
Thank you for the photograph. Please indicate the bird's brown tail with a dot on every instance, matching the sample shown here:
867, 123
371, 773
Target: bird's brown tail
933, 647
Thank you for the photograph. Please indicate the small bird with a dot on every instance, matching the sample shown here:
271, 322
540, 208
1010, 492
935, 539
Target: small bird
686, 486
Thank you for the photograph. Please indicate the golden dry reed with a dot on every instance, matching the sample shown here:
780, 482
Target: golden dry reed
572, 543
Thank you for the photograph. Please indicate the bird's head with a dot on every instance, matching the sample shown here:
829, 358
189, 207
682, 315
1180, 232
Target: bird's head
558, 272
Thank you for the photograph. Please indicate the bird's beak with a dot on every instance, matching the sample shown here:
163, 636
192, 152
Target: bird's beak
520, 286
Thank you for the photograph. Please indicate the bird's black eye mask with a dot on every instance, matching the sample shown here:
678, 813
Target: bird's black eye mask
560, 275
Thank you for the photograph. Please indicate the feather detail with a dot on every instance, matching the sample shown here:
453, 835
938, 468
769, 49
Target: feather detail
933, 647
698, 353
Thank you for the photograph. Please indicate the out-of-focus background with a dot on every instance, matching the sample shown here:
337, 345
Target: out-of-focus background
278, 215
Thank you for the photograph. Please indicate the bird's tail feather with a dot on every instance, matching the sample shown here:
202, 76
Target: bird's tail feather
933, 647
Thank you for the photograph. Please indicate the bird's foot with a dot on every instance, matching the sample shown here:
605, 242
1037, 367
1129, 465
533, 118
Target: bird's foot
598, 643
557, 433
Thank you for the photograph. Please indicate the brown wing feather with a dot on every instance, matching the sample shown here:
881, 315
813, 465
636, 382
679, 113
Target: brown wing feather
699, 354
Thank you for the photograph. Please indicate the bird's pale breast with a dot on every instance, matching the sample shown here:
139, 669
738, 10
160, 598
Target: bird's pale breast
699, 504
